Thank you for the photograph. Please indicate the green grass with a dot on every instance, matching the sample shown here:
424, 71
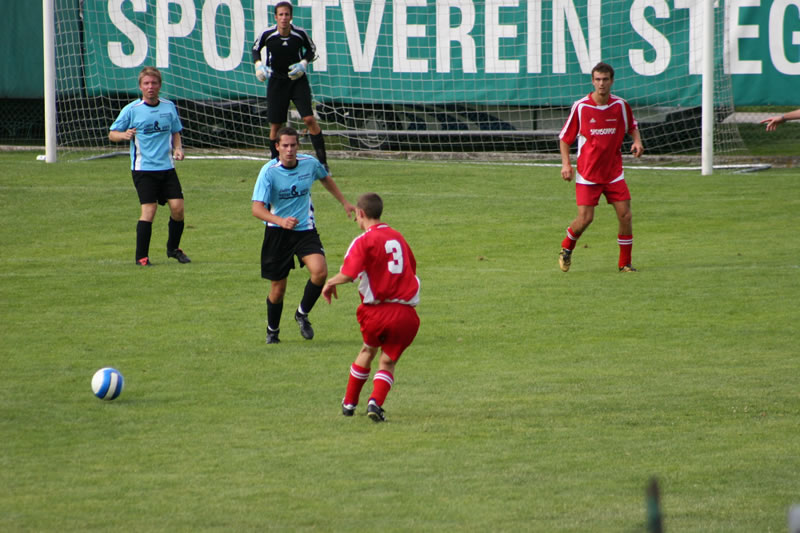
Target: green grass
531, 400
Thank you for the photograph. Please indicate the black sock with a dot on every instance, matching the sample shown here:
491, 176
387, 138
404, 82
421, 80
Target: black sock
144, 230
274, 312
175, 232
310, 297
318, 142
273, 148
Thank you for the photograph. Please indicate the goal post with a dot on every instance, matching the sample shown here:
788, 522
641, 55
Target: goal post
49, 46
398, 75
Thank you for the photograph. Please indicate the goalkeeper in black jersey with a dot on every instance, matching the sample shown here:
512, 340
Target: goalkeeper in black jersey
289, 51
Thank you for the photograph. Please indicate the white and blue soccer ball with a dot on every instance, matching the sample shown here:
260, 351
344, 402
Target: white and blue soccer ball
107, 383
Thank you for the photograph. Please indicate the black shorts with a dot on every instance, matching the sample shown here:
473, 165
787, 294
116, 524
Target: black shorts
280, 91
157, 185
281, 245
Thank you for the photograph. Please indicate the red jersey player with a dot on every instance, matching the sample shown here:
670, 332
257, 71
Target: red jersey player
599, 122
386, 269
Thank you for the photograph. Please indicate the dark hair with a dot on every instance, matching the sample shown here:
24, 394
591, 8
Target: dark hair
284, 4
605, 68
372, 205
287, 130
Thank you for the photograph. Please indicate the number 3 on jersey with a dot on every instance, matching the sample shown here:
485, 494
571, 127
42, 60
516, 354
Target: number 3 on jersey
393, 247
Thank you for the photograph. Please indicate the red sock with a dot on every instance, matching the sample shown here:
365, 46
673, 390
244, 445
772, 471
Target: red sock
570, 240
381, 384
625, 248
358, 376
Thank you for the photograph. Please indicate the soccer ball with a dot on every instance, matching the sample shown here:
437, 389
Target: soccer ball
107, 383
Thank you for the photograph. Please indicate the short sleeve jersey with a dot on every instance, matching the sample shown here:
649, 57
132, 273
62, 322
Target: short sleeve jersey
287, 191
384, 264
600, 130
284, 51
151, 148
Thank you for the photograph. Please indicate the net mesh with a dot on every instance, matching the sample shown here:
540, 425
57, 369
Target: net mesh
412, 75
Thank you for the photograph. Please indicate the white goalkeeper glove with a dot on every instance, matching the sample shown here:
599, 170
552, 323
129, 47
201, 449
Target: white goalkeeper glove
297, 70
262, 71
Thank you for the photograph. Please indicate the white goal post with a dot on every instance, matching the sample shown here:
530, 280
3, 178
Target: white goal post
397, 75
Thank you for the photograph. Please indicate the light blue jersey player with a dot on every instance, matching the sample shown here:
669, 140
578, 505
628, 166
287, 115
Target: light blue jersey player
287, 191
282, 199
152, 127
151, 147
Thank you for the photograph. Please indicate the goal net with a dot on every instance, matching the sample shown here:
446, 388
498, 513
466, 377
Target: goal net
402, 75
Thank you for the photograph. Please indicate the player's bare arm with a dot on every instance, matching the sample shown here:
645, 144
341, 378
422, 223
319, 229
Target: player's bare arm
177, 147
118, 136
330, 286
566, 166
261, 212
332, 188
772, 122
638, 148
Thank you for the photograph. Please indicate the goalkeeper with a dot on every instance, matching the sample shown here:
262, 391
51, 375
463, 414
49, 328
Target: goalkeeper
289, 51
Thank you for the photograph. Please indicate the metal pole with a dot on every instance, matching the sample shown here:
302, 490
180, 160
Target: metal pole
708, 89
49, 29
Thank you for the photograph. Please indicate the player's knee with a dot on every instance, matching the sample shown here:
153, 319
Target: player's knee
312, 125
367, 354
387, 363
318, 277
277, 292
148, 212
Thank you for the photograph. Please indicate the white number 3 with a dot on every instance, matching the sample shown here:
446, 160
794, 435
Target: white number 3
396, 264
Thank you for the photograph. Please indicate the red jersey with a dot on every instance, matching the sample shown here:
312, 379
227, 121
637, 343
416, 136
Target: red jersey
600, 131
384, 264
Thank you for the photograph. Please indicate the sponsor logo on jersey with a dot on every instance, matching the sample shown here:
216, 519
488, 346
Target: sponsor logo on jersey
603, 131
155, 127
286, 194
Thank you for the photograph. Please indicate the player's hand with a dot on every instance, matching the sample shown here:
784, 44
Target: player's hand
566, 172
262, 71
289, 223
177, 154
772, 122
637, 149
329, 290
349, 209
129, 134
298, 70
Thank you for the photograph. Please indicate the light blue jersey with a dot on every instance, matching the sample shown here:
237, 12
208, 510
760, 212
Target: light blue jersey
151, 148
287, 191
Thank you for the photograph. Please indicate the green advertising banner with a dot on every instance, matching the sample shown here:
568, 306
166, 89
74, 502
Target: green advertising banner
763, 48
526, 52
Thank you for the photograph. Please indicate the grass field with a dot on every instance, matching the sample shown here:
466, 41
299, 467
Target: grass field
531, 400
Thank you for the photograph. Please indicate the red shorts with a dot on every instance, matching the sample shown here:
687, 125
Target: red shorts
390, 326
590, 194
